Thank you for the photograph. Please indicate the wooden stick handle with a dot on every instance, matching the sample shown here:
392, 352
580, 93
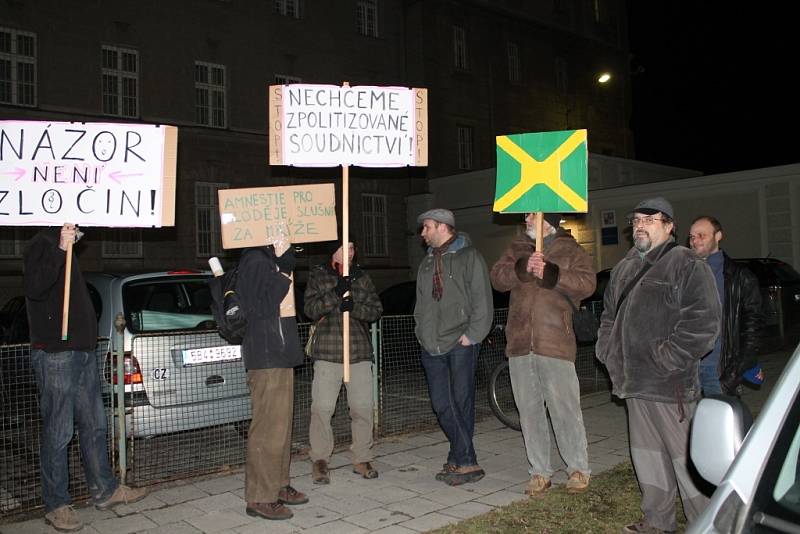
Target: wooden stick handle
67, 280
346, 268
539, 230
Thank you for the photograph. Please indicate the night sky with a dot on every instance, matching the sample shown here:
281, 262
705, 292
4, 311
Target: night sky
717, 90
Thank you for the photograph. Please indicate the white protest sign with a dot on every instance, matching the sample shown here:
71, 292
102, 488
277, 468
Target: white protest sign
92, 174
328, 125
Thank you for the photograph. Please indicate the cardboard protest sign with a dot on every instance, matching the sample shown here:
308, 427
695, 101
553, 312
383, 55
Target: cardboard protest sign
329, 125
256, 216
546, 172
92, 174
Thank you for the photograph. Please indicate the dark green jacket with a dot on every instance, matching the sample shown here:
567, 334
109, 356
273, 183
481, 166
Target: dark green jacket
322, 307
466, 305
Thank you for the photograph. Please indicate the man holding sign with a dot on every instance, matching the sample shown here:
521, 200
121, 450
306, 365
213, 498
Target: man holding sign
540, 346
68, 380
453, 314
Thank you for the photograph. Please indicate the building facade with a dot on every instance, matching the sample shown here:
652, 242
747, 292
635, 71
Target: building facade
204, 66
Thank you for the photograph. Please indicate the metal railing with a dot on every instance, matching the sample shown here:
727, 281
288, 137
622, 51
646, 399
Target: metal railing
182, 432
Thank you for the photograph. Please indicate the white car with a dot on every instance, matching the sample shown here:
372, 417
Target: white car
178, 373
757, 472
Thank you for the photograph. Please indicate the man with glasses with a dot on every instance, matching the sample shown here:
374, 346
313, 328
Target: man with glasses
736, 348
661, 316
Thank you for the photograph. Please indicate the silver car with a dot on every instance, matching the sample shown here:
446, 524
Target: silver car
178, 373
756, 470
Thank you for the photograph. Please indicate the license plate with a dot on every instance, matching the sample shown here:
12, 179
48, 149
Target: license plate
225, 353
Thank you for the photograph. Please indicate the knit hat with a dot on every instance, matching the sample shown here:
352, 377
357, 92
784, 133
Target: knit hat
553, 219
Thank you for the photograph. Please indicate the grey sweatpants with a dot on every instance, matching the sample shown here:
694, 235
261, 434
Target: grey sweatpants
659, 449
543, 384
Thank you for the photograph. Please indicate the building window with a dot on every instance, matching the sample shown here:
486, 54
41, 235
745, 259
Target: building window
209, 94
373, 219
120, 82
513, 62
465, 147
287, 8
283, 79
13, 240
367, 17
206, 200
460, 48
122, 243
562, 80
17, 67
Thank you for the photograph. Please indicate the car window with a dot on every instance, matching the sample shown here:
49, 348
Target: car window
778, 493
785, 273
168, 303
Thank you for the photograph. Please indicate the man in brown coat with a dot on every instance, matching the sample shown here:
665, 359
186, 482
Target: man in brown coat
541, 346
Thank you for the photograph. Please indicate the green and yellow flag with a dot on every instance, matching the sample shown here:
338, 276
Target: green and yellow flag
546, 171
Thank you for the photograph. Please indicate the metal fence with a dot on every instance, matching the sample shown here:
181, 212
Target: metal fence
188, 433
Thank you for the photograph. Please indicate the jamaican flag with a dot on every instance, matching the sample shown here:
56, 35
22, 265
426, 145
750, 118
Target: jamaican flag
545, 171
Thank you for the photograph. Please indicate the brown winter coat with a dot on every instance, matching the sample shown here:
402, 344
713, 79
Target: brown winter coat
539, 317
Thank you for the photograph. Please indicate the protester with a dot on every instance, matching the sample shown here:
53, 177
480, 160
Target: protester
328, 295
270, 350
661, 315
453, 314
68, 380
736, 348
540, 346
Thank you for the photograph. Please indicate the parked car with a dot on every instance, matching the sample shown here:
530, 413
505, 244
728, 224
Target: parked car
178, 373
780, 293
756, 470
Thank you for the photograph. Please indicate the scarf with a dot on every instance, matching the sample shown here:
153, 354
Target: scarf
438, 268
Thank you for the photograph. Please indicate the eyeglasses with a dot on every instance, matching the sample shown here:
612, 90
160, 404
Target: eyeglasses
647, 220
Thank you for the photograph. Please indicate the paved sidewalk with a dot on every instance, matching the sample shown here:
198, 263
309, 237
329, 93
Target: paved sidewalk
404, 499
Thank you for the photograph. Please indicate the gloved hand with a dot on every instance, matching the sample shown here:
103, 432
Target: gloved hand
346, 305
343, 285
286, 261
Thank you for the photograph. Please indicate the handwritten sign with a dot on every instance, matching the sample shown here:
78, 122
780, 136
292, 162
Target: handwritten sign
92, 174
328, 125
256, 216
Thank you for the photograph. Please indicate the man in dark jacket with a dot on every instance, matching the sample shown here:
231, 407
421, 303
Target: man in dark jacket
540, 346
68, 380
736, 347
453, 314
328, 295
653, 332
270, 350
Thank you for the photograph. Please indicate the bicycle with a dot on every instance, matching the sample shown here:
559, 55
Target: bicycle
501, 396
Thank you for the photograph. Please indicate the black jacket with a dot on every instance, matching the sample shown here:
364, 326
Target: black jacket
742, 323
270, 341
44, 266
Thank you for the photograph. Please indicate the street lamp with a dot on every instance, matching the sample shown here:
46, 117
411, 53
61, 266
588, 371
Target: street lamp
604, 77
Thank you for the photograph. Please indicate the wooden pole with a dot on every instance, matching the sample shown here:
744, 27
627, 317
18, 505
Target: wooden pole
67, 280
346, 268
539, 230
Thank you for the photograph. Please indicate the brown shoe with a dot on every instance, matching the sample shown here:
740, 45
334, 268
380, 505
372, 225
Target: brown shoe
289, 495
537, 485
274, 511
122, 495
578, 482
64, 519
446, 468
320, 472
365, 469
464, 475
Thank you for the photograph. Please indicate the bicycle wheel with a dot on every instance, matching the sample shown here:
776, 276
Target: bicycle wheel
501, 397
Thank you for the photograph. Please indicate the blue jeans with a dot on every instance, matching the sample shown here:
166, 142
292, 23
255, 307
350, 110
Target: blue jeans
69, 393
451, 386
709, 380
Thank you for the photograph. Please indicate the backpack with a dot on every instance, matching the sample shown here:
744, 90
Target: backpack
228, 313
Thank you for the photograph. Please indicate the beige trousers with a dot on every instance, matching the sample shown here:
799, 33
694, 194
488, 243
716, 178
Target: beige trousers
328, 377
269, 442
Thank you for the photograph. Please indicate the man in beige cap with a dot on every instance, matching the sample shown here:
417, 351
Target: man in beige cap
453, 314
